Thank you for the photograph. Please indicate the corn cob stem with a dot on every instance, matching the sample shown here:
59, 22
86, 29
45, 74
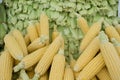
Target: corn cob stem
24, 75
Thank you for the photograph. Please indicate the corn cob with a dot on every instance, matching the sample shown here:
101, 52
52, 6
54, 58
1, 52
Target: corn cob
23, 75
116, 45
92, 68
6, 63
32, 32
19, 38
110, 56
83, 25
91, 34
94, 78
55, 33
117, 27
30, 59
111, 31
37, 43
72, 63
38, 28
47, 58
13, 47
27, 39
44, 77
44, 26
68, 75
87, 54
104, 74
58, 65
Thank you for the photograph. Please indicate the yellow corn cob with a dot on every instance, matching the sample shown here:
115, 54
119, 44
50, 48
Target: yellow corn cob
44, 77
92, 68
82, 23
37, 43
23, 75
38, 28
19, 38
72, 64
44, 26
117, 27
94, 78
116, 45
27, 39
32, 32
6, 63
87, 54
30, 59
110, 56
58, 65
55, 33
104, 74
13, 47
47, 58
68, 75
91, 34
111, 32
31, 74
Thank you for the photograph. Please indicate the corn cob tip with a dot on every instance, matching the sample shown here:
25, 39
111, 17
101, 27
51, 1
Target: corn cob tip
115, 42
36, 77
101, 20
103, 37
24, 75
55, 28
75, 68
78, 15
43, 38
106, 24
61, 51
19, 57
18, 67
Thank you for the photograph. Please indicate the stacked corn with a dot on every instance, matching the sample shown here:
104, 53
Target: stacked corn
39, 59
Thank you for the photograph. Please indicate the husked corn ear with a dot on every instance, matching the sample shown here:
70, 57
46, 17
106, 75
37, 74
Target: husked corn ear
44, 77
87, 54
13, 47
92, 68
30, 59
6, 63
117, 27
38, 28
94, 78
68, 75
44, 24
55, 33
82, 23
47, 58
110, 56
37, 43
31, 74
23, 75
111, 31
58, 65
91, 34
72, 64
116, 45
20, 39
27, 39
104, 74
32, 32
